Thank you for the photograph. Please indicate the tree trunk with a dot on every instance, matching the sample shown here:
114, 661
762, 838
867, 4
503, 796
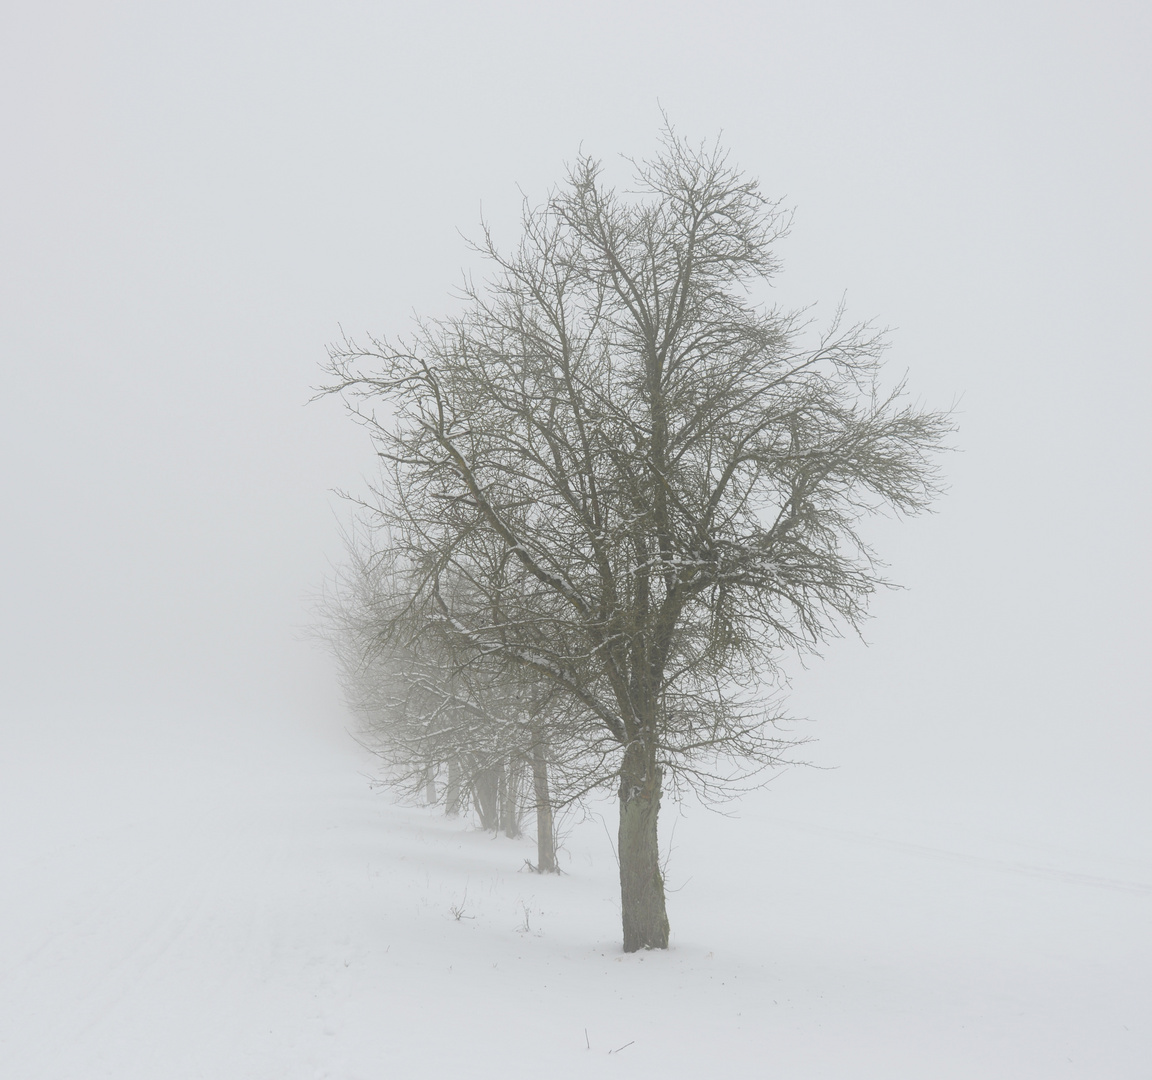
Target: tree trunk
452, 792
641, 884
545, 827
486, 798
510, 799
430, 785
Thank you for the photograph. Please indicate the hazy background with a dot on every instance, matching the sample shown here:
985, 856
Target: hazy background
194, 198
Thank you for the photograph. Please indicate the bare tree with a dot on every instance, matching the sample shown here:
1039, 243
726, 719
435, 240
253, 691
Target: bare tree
675, 474
431, 709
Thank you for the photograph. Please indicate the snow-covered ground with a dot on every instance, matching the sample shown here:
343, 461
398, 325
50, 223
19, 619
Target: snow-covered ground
237, 901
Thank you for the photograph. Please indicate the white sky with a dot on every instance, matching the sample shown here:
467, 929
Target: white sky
194, 197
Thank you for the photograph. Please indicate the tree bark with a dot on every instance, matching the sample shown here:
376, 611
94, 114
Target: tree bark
545, 825
641, 883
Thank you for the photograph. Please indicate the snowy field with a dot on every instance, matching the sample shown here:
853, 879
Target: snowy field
171, 910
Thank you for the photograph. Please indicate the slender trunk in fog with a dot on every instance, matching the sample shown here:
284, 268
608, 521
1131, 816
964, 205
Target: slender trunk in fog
510, 799
545, 827
486, 798
452, 792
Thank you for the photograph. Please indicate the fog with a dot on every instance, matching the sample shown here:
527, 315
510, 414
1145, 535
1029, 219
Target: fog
195, 199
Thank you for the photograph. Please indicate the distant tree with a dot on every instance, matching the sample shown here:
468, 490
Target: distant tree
500, 741
675, 476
